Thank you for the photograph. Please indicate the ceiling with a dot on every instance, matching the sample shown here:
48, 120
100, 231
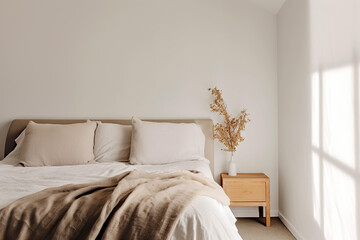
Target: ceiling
270, 5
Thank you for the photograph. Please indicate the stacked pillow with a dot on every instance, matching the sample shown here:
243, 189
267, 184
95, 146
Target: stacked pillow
13, 157
57, 144
83, 143
112, 142
161, 143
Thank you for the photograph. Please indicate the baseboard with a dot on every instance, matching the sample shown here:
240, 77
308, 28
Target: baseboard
250, 212
291, 227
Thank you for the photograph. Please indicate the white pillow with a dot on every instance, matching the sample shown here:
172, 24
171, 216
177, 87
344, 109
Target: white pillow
58, 144
161, 143
13, 157
112, 142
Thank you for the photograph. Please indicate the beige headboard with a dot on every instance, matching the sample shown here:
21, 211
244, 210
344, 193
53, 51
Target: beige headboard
18, 125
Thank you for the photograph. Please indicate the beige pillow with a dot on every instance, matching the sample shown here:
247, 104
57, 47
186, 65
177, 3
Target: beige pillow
57, 144
162, 143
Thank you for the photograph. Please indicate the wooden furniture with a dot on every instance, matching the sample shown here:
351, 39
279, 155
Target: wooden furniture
248, 189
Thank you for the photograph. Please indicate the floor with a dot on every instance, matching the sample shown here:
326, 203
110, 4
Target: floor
254, 229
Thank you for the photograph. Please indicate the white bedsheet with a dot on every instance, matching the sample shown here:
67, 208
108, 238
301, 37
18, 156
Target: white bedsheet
204, 219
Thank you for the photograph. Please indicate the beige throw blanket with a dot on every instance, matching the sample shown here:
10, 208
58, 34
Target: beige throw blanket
132, 205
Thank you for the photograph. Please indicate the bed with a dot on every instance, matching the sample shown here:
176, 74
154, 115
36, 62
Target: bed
204, 218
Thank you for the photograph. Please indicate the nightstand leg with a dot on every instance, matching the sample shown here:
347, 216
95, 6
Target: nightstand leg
268, 215
261, 212
268, 203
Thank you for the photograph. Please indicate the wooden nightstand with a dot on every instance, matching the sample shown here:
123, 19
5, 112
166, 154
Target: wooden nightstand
248, 189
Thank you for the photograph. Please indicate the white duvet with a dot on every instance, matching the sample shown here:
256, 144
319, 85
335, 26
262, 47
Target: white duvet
204, 219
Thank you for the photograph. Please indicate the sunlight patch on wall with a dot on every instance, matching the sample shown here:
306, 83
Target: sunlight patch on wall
338, 114
334, 192
315, 102
316, 188
335, 95
339, 203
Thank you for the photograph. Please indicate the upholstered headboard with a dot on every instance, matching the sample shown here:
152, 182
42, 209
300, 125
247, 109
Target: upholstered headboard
18, 125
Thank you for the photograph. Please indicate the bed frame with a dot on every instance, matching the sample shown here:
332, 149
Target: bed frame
18, 125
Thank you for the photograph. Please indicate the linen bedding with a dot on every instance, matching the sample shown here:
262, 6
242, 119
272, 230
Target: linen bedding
205, 218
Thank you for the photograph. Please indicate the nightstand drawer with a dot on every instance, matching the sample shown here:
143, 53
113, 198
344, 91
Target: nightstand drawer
247, 191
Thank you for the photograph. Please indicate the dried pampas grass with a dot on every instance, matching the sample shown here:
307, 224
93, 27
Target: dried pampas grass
229, 132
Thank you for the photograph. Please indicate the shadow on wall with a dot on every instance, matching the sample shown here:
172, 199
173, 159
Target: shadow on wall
335, 117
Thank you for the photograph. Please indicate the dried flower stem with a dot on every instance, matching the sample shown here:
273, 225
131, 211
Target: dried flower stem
229, 132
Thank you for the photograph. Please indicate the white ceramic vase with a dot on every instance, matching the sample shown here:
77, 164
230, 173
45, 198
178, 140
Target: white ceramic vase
232, 166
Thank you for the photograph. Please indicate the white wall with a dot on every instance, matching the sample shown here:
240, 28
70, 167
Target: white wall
153, 59
294, 117
319, 133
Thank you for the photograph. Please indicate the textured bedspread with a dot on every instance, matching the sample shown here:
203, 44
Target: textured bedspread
132, 205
